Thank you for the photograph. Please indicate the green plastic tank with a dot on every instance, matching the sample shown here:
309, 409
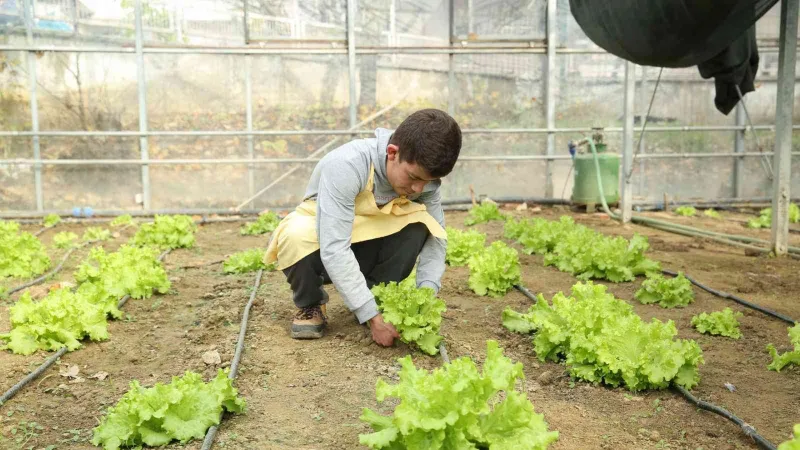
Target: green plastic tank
585, 191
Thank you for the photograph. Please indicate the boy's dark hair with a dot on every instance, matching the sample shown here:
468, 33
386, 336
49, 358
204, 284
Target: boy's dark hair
431, 139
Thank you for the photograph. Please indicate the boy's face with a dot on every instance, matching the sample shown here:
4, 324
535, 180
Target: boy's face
405, 178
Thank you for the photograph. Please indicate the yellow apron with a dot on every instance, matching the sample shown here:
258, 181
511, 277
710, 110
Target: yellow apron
296, 235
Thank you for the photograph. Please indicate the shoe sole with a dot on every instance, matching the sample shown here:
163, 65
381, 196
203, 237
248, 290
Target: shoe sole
307, 333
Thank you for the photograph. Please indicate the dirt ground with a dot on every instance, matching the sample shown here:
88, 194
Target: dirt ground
309, 394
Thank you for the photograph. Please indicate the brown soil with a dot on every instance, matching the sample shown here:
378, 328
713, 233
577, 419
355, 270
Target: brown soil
309, 394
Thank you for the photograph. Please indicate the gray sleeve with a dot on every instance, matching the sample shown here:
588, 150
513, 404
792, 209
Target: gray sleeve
431, 259
339, 184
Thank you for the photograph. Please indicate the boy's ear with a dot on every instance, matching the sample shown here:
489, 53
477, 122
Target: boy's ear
392, 151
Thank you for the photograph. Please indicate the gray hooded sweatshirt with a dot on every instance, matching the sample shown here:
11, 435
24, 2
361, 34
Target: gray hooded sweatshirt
336, 181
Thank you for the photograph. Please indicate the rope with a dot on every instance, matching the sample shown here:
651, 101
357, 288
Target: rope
237, 356
644, 126
764, 160
739, 300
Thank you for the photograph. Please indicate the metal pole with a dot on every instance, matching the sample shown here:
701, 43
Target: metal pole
451, 63
179, 21
31, 59
738, 147
248, 98
627, 140
470, 19
642, 146
351, 58
246, 27
393, 28
75, 16
145, 153
550, 94
784, 108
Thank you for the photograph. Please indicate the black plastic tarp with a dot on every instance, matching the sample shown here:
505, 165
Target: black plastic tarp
717, 36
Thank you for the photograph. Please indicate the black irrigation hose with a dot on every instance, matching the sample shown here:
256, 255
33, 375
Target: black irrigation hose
45, 276
32, 376
736, 299
237, 356
41, 231
49, 362
747, 428
527, 293
443, 353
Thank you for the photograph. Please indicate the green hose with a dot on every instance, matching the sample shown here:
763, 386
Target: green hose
730, 239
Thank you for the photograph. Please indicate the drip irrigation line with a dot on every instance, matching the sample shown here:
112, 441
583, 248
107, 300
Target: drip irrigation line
210, 263
32, 376
443, 353
736, 299
527, 293
212, 432
747, 428
49, 362
41, 231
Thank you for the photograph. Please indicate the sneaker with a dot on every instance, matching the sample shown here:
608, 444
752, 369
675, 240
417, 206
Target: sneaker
309, 322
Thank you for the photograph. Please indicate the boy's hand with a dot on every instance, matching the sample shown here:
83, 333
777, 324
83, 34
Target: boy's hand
382, 333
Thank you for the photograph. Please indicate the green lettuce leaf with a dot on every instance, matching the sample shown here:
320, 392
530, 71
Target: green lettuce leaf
65, 239
712, 213
266, 223
686, 211
582, 251
22, 255
495, 270
164, 232
667, 292
461, 245
246, 261
122, 220
779, 361
458, 407
182, 410
794, 443
720, 323
415, 312
96, 234
130, 271
764, 219
484, 212
603, 341
62, 318
51, 220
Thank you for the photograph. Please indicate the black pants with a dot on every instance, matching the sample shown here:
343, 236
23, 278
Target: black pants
390, 258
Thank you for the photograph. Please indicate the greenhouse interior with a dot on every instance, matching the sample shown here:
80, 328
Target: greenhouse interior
399, 224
